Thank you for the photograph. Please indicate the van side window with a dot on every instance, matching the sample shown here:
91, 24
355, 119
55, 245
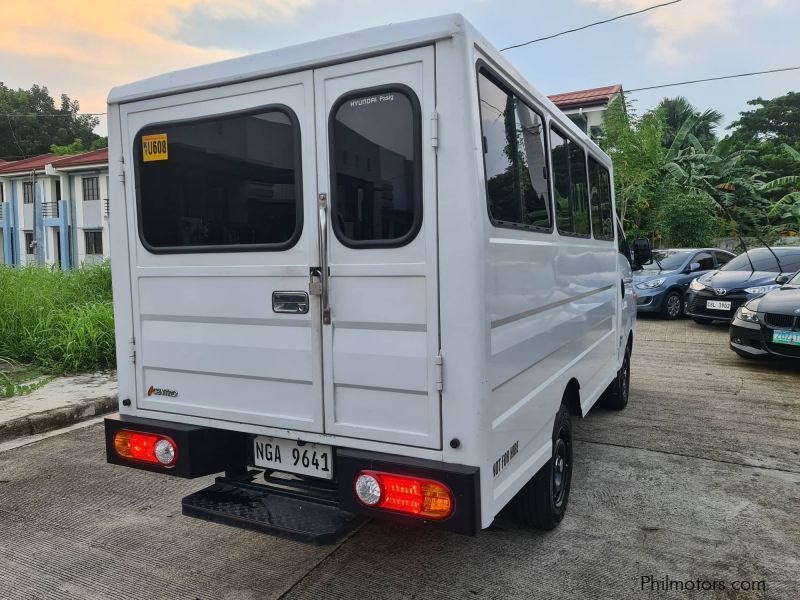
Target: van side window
376, 168
514, 159
600, 181
224, 183
570, 186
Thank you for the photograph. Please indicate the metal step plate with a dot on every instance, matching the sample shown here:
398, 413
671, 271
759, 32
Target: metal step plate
275, 511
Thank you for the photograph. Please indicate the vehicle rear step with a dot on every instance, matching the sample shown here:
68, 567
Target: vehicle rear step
272, 510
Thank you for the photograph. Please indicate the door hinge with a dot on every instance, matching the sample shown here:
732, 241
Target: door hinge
132, 349
122, 169
435, 130
437, 372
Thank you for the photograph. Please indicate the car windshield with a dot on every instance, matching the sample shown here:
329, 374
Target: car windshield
763, 260
795, 280
669, 259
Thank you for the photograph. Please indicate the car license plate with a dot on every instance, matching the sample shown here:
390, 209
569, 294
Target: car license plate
791, 338
315, 460
718, 304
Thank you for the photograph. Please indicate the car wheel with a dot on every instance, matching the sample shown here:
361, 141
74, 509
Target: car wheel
616, 396
672, 306
701, 321
542, 502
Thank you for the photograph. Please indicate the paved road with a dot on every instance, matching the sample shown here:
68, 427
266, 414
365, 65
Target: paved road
698, 478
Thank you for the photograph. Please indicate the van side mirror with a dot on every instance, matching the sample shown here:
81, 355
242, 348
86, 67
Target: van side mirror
782, 279
642, 253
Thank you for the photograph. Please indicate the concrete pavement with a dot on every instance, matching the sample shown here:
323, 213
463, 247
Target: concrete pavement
697, 479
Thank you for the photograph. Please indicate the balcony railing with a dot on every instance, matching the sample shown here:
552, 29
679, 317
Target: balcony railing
50, 210
106, 207
2, 208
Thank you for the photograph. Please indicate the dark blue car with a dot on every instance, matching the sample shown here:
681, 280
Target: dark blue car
716, 296
661, 286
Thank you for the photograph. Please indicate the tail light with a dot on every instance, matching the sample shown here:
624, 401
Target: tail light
411, 495
146, 447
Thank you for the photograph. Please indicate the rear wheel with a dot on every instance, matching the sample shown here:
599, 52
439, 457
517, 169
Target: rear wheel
542, 503
672, 306
616, 396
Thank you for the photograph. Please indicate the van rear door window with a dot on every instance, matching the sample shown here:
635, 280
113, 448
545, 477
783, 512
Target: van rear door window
376, 167
231, 183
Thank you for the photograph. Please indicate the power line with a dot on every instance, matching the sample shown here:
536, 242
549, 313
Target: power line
555, 35
66, 115
655, 87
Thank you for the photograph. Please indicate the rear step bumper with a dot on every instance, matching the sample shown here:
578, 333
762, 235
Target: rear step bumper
272, 510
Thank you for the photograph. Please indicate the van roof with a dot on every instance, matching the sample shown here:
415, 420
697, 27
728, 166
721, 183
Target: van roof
373, 41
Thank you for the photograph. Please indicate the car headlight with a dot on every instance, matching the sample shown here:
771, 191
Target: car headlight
745, 314
696, 286
761, 289
649, 285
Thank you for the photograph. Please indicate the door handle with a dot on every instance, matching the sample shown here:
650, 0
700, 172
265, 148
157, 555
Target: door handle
322, 223
290, 302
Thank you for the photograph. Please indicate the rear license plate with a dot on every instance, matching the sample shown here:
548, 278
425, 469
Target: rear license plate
718, 304
314, 460
790, 338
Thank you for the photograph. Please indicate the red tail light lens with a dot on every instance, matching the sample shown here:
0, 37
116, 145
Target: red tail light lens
146, 447
411, 495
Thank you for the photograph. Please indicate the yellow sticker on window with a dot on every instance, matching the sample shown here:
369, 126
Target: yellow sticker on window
154, 147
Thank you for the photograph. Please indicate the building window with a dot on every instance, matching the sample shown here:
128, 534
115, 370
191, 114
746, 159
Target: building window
93, 241
27, 192
381, 206
600, 181
228, 183
29, 245
91, 188
514, 159
570, 185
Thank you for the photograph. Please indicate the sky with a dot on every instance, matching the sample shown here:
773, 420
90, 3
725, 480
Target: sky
84, 47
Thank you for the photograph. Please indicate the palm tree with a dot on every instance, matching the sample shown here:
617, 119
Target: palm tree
676, 111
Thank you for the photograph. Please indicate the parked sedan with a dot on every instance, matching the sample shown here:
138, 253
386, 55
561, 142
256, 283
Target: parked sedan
661, 286
770, 324
716, 296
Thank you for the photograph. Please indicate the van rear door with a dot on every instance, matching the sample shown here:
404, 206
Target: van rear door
240, 196
223, 202
377, 195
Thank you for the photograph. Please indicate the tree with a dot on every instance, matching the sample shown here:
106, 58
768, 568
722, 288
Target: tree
676, 111
32, 122
76, 147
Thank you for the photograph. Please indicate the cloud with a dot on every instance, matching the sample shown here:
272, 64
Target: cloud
84, 47
678, 24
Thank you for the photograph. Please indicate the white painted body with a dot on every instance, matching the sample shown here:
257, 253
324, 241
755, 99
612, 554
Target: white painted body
515, 315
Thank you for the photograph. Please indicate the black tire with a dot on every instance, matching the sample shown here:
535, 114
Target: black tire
702, 321
616, 396
542, 503
672, 306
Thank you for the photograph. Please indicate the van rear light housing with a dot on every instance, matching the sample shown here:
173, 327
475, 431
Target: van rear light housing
154, 448
415, 496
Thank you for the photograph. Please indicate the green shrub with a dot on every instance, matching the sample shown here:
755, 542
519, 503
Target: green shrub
62, 321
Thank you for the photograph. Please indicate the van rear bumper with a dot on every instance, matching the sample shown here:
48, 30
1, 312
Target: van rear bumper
205, 451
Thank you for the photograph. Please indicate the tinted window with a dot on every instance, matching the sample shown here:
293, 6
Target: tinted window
722, 257
600, 181
376, 168
514, 159
763, 260
569, 185
231, 182
622, 244
705, 259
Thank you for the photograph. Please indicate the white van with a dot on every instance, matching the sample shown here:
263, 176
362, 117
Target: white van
375, 275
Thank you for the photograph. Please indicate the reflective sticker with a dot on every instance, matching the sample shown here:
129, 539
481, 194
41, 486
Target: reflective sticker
154, 147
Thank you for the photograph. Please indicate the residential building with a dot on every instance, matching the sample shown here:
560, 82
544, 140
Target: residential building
587, 108
54, 210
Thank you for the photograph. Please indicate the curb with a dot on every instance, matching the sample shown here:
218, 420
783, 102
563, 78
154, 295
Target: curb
56, 418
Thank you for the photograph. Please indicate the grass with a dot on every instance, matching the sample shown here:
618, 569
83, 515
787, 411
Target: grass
58, 321
18, 379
